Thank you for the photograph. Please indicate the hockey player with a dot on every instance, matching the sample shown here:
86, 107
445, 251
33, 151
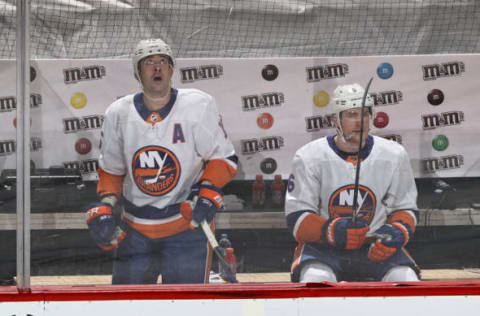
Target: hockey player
333, 245
158, 148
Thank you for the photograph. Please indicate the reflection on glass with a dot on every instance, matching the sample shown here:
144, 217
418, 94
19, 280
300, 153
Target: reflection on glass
116, 196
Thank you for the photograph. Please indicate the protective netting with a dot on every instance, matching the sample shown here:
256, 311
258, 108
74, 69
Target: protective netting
246, 28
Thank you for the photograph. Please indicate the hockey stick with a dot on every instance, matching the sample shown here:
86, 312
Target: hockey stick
215, 246
356, 207
218, 251
372, 239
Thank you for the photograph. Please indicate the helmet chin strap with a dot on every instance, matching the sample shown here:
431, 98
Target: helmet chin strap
343, 141
346, 138
347, 145
339, 128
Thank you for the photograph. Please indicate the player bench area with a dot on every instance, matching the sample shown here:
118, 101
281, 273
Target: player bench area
443, 238
445, 245
272, 277
240, 219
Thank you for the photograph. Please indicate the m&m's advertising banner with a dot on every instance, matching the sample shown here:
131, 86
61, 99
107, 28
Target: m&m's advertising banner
269, 107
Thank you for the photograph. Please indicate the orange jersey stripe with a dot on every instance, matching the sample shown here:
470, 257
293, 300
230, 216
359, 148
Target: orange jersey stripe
219, 172
296, 257
159, 228
403, 216
212, 195
310, 229
109, 183
341, 210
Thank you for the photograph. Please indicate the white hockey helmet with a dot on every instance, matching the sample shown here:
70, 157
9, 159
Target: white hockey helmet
350, 96
150, 47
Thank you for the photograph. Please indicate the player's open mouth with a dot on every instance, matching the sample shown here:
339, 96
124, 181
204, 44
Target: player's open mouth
157, 78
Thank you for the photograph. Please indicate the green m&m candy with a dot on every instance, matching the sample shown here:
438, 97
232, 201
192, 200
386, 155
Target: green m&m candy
440, 142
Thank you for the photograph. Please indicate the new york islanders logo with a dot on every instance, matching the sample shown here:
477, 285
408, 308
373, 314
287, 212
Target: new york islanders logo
156, 170
341, 202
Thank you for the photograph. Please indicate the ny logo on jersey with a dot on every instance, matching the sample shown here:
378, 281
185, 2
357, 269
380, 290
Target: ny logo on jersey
346, 197
341, 202
156, 170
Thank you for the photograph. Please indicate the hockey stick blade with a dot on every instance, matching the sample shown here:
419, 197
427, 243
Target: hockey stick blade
218, 251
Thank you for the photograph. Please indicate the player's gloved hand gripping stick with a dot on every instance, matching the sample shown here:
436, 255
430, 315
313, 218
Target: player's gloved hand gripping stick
207, 200
343, 233
219, 251
396, 235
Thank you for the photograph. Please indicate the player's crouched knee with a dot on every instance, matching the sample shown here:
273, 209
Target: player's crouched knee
317, 272
400, 274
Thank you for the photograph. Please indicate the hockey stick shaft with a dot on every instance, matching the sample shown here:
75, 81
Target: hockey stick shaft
375, 237
218, 251
356, 208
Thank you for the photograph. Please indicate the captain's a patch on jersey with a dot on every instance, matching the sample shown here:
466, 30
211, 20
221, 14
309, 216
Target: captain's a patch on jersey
341, 202
156, 170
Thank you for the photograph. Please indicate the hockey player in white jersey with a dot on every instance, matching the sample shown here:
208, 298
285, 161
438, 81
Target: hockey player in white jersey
332, 244
160, 147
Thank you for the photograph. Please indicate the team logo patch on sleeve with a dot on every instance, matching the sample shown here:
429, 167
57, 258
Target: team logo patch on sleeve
341, 202
156, 170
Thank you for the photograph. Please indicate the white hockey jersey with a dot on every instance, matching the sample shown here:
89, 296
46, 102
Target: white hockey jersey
323, 178
162, 155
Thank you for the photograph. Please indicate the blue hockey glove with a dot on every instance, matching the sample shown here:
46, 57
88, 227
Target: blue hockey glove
102, 226
398, 235
195, 191
208, 201
343, 233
